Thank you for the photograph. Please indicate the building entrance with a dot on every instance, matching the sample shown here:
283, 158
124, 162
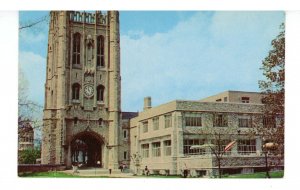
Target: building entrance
86, 149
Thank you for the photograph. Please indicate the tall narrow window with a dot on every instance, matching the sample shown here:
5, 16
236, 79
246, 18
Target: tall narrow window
168, 121
100, 93
225, 99
145, 150
155, 123
167, 148
76, 49
125, 134
156, 149
100, 51
145, 127
100, 121
75, 120
125, 155
75, 91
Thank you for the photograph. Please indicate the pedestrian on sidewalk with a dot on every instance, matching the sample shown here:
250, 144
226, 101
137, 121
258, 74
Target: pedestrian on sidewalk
146, 171
121, 168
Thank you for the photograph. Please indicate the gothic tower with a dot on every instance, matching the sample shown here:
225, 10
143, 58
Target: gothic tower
82, 90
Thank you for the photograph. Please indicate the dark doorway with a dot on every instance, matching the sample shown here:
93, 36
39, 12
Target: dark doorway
86, 149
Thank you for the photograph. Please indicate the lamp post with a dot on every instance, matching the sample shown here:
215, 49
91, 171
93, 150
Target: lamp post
266, 161
266, 149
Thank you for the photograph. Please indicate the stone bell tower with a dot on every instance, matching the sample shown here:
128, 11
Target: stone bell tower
82, 90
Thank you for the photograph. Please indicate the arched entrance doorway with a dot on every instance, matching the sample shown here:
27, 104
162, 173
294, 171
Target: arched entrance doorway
86, 149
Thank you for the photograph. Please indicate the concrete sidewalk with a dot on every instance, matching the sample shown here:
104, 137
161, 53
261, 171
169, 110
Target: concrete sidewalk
99, 172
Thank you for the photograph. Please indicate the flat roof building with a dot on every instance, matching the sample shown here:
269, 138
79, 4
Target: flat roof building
166, 135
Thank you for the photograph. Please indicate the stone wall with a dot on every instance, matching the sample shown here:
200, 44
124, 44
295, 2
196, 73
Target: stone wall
247, 161
218, 107
32, 168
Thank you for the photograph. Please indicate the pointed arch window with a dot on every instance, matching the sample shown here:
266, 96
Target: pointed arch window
75, 91
76, 49
100, 93
100, 121
100, 51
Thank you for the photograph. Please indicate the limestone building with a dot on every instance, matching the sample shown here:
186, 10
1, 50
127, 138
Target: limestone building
166, 136
83, 122
82, 114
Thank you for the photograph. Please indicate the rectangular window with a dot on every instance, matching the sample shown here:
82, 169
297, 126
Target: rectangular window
168, 121
155, 123
222, 143
219, 100
76, 49
167, 148
145, 150
269, 121
125, 155
145, 127
247, 146
225, 99
193, 121
125, 134
188, 143
220, 120
245, 122
245, 99
100, 51
156, 149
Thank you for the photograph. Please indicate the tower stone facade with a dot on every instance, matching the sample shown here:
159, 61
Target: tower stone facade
82, 91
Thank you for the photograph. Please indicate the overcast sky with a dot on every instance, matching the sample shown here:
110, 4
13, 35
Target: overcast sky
171, 55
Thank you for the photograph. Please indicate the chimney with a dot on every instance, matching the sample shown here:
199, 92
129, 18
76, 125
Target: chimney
147, 103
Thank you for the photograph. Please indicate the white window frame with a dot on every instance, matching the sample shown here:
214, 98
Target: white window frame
145, 127
168, 121
145, 150
246, 146
168, 147
156, 149
155, 121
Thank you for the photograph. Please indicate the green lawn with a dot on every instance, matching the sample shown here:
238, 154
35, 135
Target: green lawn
277, 174
159, 176
55, 175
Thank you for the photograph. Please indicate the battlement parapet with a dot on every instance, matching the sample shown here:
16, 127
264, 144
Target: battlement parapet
87, 17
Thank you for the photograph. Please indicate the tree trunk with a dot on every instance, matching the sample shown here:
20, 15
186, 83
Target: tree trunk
219, 167
267, 167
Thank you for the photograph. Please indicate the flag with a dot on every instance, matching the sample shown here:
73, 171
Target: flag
229, 146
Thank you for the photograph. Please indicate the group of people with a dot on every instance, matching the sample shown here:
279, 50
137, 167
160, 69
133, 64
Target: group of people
122, 167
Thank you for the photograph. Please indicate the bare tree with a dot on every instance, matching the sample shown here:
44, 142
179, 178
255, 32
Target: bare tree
217, 138
220, 138
27, 109
33, 23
